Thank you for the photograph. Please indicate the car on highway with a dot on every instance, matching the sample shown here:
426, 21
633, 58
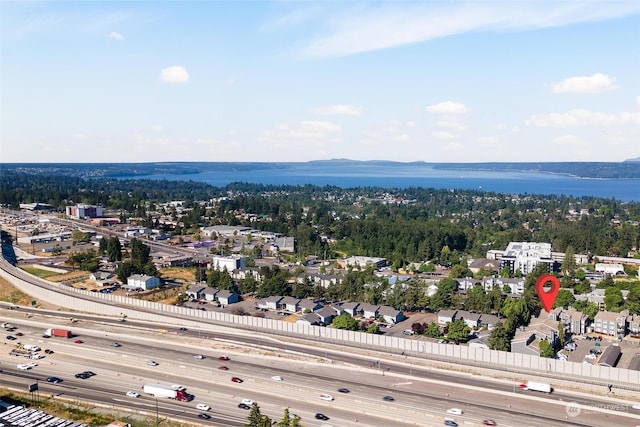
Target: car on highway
177, 387
152, 363
343, 390
326, 397
243, 406
19, 334
454, 411
223, 358
24, 366
223, 368
203, 407
236, 380
247, 402
116, 344
132, 394
78, 341
182, 329
388, 398
48, 351
450, 423
636, 406
276, 378
198, 356
204, 416
11, 338
322, 417
82, 375
489, 423
54, 380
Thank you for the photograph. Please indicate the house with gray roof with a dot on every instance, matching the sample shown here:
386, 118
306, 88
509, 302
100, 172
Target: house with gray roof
227, 297
309, 304
351, 307
446, 316
310, 319
369, 311
326, 314
270, 303
210, 294
472, 320
610, 356
635, 363
290, 304
195, 291
390, 314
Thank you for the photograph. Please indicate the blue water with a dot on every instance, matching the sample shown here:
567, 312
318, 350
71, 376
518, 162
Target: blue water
403, 176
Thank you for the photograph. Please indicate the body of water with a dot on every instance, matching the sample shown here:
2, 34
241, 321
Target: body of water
409, 175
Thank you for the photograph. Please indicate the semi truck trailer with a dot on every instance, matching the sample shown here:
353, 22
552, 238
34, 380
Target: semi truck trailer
53, 332
536, 386
160, 390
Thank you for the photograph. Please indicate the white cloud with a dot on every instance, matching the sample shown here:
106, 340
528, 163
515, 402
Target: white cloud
488, 141
115, 36
79, 135
455, 125
448, 107
338, 110
157, 128
569, 140
310, 129
401, 138
175, 74
360, 27
596, 83
579, 117
638, 100
443, 135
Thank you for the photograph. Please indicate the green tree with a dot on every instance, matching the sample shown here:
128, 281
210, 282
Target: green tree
590, 309
345, 321
113, 249
569, 262
373, 328
442, 298
256, 419
561, 334
613, 300
500, 339
546, 350
458, 331
564, 299
80, 236
433, 330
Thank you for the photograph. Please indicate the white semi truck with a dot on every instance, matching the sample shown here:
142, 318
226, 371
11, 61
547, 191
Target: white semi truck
160, 390
536, 386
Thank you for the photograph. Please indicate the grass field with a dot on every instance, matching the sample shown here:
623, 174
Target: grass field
39, 272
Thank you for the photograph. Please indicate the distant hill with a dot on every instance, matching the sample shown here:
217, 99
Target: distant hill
637, 159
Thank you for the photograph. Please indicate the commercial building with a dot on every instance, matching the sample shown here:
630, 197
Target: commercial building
525, 256
81, 211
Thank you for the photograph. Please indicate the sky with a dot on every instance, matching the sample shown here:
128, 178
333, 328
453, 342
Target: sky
294, 81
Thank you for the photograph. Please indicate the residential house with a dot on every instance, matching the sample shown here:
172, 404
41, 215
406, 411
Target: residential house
596, 297
351, 307
611, 323
226, 298
635, 363
610, 356
195, 291
446, 316
100, 277
472, 320
527, 340
309, 304
210, 294
489, 321
270, 303
634, 325
326, 314
484, 264
285, 244
575, 321
142, 281
290, 304
310, 319
369, 311
229, 263
390, 314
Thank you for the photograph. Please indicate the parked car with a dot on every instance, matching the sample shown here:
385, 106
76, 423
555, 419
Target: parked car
19, 334
132, 394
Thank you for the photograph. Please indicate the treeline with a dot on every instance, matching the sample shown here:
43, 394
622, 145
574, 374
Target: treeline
425, 224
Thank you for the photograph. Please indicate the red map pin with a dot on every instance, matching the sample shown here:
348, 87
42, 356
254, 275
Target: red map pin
547, 297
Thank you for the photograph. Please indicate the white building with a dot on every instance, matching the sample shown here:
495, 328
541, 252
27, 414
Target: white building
610, 269
229, 263
525, 256
142, 281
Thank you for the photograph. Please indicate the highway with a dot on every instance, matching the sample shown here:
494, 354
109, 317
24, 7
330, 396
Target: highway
422, 393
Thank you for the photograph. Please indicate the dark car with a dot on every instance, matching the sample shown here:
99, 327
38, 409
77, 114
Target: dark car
223, 368
223, 358
488, 423
343, 390
48, 351
83, 375
236, 380
115, 344
204, 416
90, 373
54, 380
388, 399
450, 423
244, 406
11, 338
322, 417
19, 334
183, 329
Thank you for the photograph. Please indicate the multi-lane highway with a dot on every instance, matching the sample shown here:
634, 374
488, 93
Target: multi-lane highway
421, 392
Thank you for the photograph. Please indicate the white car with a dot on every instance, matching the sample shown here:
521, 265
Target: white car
31, 364
198, 356
24, 366
636, 406
152, 363
327, 397
454, 411
177, 387
276, 378
203, 407
247, 402
133, 394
